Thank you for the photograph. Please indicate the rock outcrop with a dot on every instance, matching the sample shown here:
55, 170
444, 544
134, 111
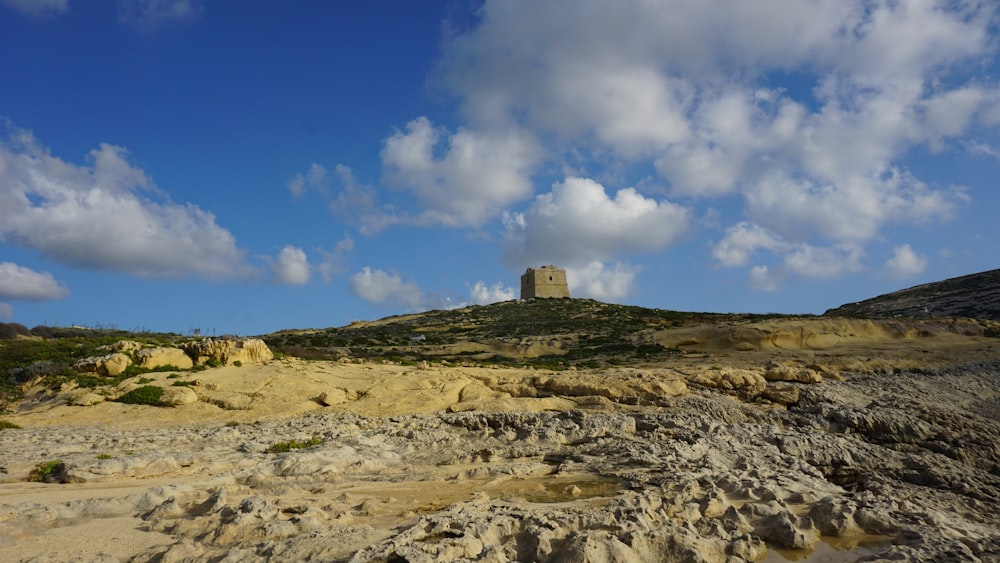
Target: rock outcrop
975, 296
111, 365
227, 351
153, 358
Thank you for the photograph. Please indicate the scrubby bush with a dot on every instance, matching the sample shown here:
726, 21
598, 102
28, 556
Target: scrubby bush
145, 395
48, 472
282, 447
5, 424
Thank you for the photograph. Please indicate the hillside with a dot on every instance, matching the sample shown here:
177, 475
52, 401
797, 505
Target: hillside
974, 296
552, 333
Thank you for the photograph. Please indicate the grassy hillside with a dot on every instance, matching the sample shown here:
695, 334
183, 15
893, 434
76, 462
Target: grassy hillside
551, 333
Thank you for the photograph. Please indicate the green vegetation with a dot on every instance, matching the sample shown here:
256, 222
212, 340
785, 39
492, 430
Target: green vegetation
282, 447
145, 395
42, 472
579, 333
6, 424
103, 456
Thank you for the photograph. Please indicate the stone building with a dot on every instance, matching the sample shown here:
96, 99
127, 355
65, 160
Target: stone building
547, 281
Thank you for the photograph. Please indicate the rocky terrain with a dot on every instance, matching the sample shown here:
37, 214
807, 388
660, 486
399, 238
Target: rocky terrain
720, 439
975, 295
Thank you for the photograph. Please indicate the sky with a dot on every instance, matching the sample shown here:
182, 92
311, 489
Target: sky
244, 167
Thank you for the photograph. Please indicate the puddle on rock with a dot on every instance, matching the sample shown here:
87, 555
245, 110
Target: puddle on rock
831, 550
563, 489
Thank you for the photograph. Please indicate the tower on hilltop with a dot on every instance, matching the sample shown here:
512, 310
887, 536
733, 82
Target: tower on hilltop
547, 281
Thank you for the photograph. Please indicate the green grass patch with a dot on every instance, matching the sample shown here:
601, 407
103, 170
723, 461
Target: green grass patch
6, 424
43, 470
282, 447
103, 456
145, 395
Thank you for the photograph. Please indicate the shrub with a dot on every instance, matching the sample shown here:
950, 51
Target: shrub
103, 456
145, 395
47, 472
282, 447
5, 424
238, 363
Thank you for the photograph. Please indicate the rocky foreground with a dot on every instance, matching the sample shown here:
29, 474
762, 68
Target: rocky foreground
859, 449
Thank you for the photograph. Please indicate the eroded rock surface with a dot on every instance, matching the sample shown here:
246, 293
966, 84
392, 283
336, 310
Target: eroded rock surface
650, 469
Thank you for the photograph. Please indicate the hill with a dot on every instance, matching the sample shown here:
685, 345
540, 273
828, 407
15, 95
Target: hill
546, 333
974, 296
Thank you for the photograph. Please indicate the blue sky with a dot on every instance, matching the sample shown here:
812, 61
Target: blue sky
244, 167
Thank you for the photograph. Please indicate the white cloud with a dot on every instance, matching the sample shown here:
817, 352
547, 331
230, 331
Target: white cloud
292, 266
107, 215
741, 241
905, 262
464, 180
314, 179
152, 14
483, 294
18, 282
763, 279
577, 223
824, 262
852, 210
597, 280
38, 8
332, 262
386, 289
6, 311
696, 89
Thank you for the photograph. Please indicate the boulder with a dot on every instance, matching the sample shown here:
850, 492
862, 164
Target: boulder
85, 398
152, 358
783, 393
228, 351
334, 396
111, 365
181, 395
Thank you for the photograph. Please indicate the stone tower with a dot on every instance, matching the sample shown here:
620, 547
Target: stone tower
547, 281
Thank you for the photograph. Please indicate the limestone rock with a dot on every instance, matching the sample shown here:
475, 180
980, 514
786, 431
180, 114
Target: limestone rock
228, 351
176, 396
85, 398
152, 358
126, 346
783, 393
744, 382
333, 397
778, 372
111, 365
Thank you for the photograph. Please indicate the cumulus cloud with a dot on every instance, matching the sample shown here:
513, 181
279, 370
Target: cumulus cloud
152, 14
600, 281
292, 266
824, 261
107, 215
38, 8
577, 223
483, 294
698, 90
386, 289
763, 279
741, 241
464, 179
333, 261
18, 282
905, 262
